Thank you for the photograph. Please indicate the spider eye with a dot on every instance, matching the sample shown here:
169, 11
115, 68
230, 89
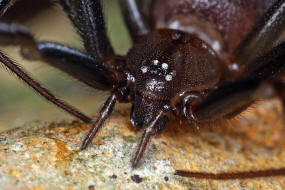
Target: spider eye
144, 69
157, 70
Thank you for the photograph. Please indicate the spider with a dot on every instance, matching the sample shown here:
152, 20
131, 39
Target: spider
201, 68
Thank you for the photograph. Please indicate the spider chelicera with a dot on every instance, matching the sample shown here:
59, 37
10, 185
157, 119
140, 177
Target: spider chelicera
198, 76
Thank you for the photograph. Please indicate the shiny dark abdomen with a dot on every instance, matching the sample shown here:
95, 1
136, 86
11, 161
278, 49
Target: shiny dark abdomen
221, 23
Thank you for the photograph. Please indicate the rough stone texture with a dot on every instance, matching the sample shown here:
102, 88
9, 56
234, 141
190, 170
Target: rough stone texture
42, 156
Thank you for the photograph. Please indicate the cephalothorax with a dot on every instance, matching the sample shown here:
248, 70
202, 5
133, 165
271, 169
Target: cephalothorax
194, 60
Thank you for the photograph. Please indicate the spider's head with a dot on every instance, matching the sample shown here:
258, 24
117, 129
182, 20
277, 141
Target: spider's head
164, 64
153, 89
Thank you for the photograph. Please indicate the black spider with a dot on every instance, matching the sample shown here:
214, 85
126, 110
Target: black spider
167, 71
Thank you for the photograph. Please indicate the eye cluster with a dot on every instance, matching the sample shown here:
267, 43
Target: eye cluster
158, 70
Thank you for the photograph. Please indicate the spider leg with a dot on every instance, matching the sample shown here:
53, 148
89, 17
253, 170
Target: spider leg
11, 66
4, 5
75, 63
263, 35
237, 94
137, 23
24, 37
278, 84
87, 17
154, 126
229, 100
15, 34
279, 87
237, 175
96, 124
82, 66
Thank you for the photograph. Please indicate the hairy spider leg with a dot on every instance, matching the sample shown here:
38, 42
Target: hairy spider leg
229, 176
262, 37
76, 63
96, 124
24, 35
154, 126
136, 22
4, 5
230, 97
228, 100
8, 63
87, 17
279, 88
79, 65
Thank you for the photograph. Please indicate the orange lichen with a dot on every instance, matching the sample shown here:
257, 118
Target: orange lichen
62, 151
98, 141
72, 130
249, 142
16, 173
75, 129
38, 188
231, 140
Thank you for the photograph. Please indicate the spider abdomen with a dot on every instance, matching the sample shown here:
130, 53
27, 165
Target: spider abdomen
223, 24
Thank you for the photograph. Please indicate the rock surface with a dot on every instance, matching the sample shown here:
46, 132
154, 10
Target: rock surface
42, 156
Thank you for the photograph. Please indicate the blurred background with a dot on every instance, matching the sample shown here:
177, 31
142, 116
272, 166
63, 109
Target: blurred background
20, 104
